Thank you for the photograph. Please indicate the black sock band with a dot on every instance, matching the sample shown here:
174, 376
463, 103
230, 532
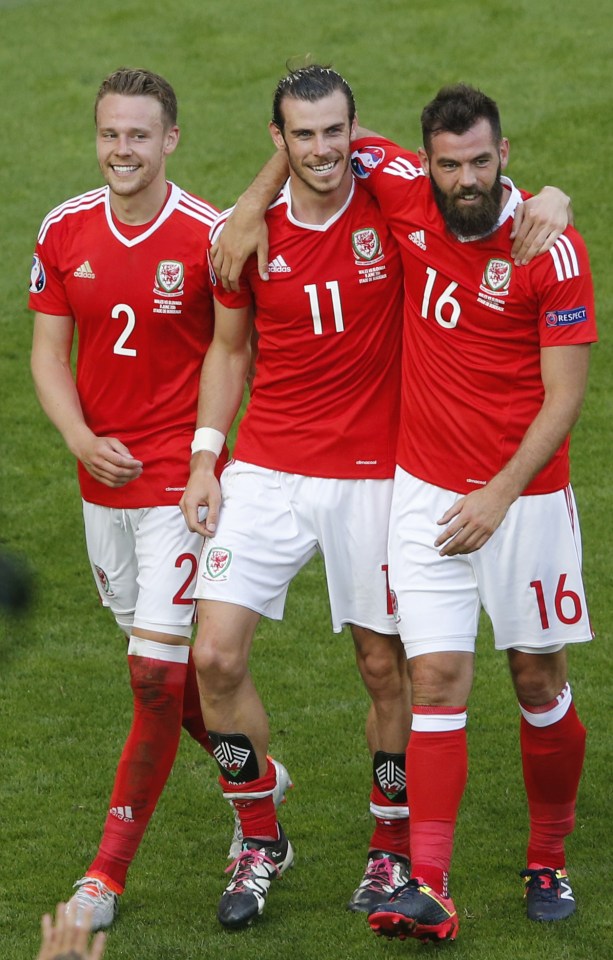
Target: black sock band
388, 771
236, 757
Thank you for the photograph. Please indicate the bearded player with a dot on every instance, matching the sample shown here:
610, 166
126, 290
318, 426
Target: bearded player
483, 513
125, 265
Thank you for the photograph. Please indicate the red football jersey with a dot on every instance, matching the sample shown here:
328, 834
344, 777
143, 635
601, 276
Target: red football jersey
141, 300
474, 326
325, 399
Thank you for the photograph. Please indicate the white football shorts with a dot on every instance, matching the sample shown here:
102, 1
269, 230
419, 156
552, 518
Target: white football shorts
144, 563
527, 576
272, 523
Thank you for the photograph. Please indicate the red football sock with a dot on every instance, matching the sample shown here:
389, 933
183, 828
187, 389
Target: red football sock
437, 768
257, 813
147, 756
552, 759
391, 832
193, 721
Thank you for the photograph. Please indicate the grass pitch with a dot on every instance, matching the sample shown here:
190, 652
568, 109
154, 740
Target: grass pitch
65, 702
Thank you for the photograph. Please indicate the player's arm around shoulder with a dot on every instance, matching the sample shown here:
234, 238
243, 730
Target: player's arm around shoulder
107, 459
222, 384
538, 222
243, 230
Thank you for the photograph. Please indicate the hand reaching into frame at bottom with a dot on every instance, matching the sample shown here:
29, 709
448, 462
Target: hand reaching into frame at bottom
67, 939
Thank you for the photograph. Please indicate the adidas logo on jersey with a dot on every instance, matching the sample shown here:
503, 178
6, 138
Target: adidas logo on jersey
278, 265
418, 237
85, 271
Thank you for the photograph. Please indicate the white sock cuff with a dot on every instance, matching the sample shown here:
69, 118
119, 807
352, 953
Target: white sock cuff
395, 812
539, 717
171, 652
252, 795
438, 722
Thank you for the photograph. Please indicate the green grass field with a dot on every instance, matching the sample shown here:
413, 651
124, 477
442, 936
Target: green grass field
65, 700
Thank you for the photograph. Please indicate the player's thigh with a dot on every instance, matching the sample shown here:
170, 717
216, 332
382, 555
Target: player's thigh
529, 575
260, 543
435, 598
351, 518
110, 541
167, 557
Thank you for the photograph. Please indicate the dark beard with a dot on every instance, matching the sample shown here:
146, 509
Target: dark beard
470, 221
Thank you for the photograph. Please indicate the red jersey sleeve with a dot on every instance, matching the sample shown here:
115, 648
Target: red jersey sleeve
565, 294
47, 289
231, 299
377, 164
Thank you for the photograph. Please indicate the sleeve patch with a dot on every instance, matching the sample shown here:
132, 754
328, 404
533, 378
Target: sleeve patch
38, 277
365, 160
565, 318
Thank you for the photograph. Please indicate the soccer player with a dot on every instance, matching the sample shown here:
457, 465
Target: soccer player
313, 468
495, 365
126, 266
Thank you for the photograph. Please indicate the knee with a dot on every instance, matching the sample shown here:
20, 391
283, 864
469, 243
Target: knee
383, 667
538, 678
441, 679
220, 665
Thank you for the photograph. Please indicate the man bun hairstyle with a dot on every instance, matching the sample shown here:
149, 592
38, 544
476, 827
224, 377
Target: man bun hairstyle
311, 83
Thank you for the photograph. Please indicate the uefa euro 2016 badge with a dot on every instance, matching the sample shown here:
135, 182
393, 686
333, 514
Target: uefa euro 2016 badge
169, 278
365, 160
217, 563
38, 278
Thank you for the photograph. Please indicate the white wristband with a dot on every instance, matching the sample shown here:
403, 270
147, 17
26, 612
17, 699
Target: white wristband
207, 438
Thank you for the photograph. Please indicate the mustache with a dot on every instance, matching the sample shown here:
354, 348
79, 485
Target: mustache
464, 192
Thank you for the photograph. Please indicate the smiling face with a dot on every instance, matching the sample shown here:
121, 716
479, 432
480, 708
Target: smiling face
132, 143
317, 138
465, 170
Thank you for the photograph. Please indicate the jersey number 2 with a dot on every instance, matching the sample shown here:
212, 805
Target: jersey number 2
185, 558
120, 343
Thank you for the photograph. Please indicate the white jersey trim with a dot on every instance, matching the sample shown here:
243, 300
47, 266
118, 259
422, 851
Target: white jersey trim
165, 212
565, 259
286, 196
85, 201
186, 203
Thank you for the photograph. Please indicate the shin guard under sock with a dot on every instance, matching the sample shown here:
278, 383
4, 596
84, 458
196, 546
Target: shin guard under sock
553, 748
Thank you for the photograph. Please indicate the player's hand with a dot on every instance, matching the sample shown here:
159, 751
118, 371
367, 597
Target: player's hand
202, 491
245, 232
538, 222
471, 521
67, 939
109, 461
